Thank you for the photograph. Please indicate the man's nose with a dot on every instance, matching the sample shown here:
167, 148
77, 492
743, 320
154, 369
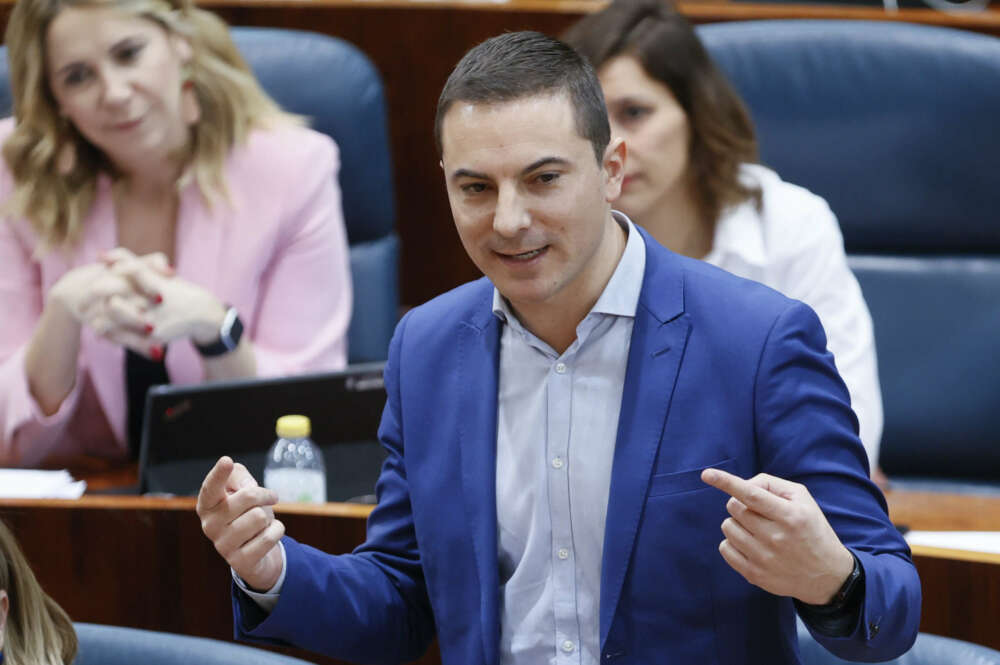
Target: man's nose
511, 216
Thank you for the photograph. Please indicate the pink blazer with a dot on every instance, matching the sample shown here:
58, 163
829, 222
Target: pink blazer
277, 251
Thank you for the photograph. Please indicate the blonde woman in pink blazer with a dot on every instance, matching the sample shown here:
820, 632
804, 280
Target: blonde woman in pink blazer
163, 220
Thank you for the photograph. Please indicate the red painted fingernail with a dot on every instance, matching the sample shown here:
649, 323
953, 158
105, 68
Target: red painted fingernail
157, 299
156, 353
148, 328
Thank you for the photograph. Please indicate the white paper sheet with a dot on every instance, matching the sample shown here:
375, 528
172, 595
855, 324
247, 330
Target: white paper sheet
973, 541
34, 484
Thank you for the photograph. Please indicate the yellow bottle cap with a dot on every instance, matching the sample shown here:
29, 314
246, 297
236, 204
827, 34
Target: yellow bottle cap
293, 427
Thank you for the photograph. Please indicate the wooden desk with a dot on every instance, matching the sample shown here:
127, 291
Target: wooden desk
144, 562
961, 589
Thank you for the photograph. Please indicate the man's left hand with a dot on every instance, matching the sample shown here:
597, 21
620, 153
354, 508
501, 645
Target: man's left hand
778, 538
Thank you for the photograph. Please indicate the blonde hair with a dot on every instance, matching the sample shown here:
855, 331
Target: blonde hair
38, 631
231, 100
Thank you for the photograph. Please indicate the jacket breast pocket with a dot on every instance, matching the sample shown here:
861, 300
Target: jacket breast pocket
685, 481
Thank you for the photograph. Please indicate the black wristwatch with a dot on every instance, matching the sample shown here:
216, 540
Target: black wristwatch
847, 589
229, 336
838, 617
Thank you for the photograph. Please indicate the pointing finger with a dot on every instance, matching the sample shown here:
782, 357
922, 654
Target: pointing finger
213, 488
758, 499
786, 489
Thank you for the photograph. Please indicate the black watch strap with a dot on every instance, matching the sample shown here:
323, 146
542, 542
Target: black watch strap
849, 588
838, 617
229, 336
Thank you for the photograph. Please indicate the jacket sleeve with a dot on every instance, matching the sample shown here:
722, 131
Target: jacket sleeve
817, 274
304, 302
806, 434
370, 606
26, 434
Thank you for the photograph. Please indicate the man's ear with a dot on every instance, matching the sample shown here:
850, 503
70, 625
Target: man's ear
614, 169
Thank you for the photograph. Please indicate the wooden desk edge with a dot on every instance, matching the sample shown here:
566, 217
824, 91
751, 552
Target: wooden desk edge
697, 10
186, 503
960, 555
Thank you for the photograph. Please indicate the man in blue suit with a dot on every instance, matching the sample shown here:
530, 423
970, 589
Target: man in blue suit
558, 433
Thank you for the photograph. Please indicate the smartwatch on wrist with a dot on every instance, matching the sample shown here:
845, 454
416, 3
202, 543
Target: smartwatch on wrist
229, 336
850, 587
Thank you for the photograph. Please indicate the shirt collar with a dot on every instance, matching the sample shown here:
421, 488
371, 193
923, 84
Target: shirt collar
621, 294
739, 233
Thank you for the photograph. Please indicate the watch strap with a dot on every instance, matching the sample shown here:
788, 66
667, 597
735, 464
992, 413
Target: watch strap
839, 617
230, 333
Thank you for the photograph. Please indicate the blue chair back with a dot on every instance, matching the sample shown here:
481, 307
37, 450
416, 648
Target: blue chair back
894, 124
114, 645
927, 650
336, 86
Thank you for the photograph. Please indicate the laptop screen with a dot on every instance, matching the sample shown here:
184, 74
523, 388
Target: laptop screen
187, 428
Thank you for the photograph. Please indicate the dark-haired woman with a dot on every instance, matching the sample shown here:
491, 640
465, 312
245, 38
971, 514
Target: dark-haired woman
692, 181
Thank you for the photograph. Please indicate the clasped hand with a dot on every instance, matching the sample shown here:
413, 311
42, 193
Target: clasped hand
138, 302
778, 538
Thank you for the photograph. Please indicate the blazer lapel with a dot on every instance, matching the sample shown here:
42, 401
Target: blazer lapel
106, 360
477, 376
659, 337
199, 254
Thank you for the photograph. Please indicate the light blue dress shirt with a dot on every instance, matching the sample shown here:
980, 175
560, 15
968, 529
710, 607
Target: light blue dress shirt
556, 432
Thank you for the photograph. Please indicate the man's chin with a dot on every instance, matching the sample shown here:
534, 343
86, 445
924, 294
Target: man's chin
523, 295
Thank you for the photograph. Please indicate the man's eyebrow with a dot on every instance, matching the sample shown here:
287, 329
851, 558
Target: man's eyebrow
544, 161
467, 173
534, 166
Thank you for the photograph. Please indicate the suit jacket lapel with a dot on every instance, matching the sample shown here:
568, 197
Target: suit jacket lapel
477, 375
659, 336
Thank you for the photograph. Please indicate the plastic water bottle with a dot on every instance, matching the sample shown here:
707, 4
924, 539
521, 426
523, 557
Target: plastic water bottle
295, 468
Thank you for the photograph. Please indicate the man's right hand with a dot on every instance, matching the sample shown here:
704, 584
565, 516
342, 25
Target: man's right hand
237, 517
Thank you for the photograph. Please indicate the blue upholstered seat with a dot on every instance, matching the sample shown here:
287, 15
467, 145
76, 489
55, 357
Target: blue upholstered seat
113, 645
895, 125
927, 650
339, 90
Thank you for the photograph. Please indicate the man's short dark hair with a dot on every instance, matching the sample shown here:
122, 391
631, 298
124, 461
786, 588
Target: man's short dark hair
518, 65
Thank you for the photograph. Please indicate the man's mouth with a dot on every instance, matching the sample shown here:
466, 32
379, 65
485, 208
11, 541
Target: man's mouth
523, 256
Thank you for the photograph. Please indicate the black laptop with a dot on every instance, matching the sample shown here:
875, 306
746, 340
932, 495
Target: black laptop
187, 428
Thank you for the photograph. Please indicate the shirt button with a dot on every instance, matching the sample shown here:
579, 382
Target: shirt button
560, 368
563, 553
568, 646
557, 463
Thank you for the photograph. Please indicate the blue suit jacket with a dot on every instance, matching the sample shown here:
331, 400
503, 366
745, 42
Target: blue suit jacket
722, 372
